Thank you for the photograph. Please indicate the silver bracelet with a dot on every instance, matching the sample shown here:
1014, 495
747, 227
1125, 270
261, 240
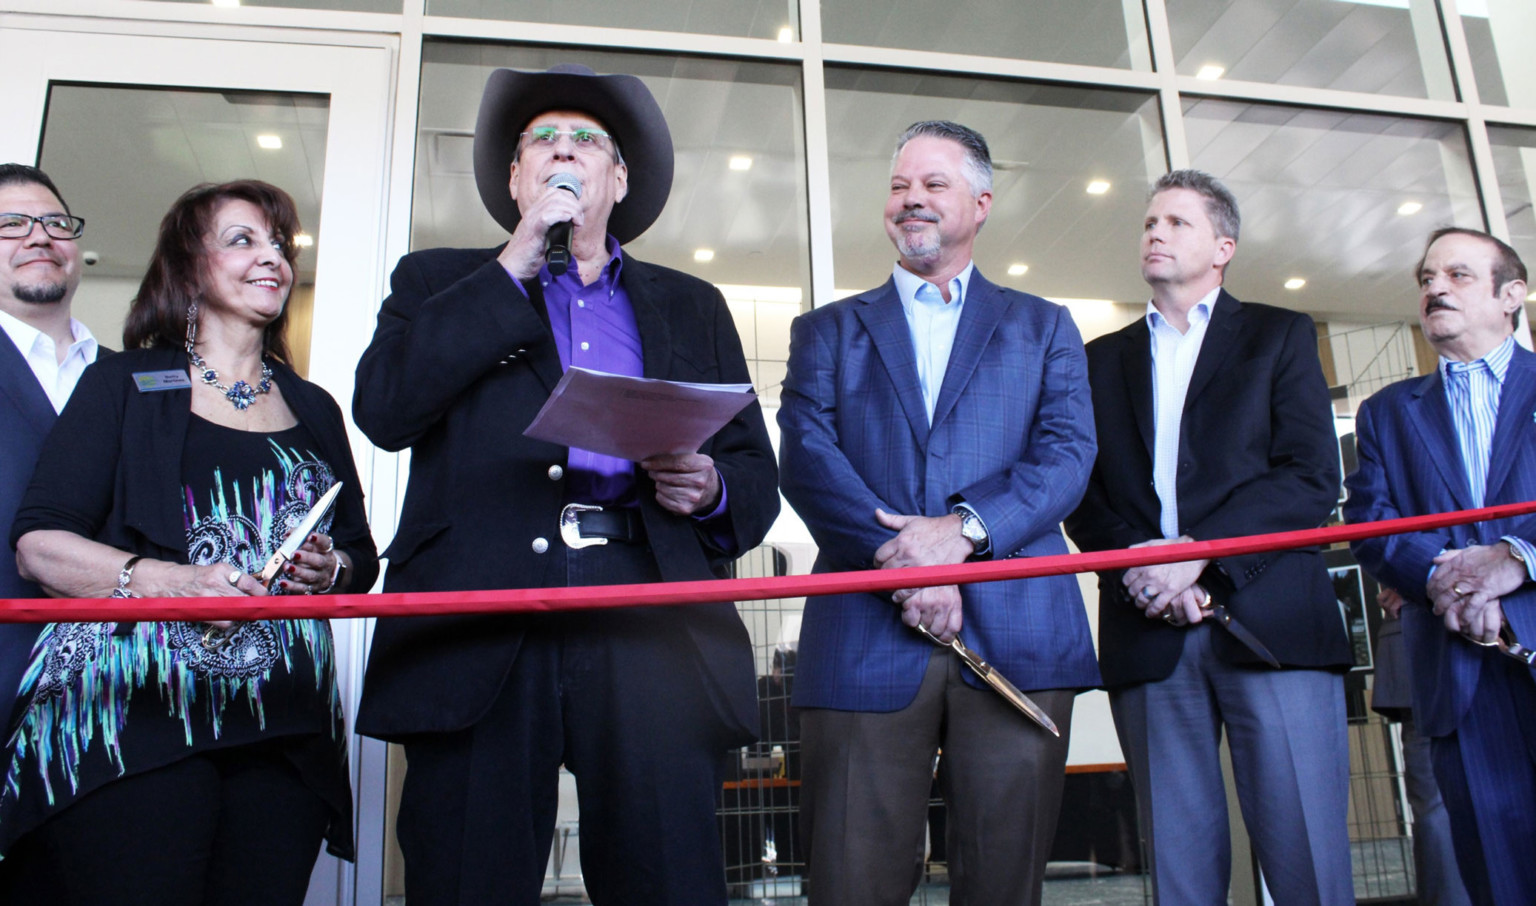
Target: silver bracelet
335, 574
124, 576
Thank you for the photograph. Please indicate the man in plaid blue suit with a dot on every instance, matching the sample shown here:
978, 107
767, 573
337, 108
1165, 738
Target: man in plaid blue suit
935, 420
1463, 437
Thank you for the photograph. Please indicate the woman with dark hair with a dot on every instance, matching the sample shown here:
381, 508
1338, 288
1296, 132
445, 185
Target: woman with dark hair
173, 762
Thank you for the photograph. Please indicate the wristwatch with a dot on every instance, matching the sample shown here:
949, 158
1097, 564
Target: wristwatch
972, 528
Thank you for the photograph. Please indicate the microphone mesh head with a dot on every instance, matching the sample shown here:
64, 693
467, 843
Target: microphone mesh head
567, 181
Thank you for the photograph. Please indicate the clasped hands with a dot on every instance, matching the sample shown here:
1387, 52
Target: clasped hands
1168, 591
925, 541
1467, 585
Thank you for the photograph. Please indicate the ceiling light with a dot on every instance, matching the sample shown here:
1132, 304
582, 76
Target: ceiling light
225, 2
1211, 72
1295, 283
1098, 187
1409, 207
1018, 270
269, 141
786, 35
741, 162
304, 240
702, 255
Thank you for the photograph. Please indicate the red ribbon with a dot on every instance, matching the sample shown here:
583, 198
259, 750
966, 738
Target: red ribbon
593, 597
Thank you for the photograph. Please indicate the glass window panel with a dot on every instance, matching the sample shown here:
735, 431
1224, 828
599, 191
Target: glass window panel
1499, 35
1374, 46
777, 19
170, 140
1048, 144
739, 190
355, 6
1093, 32
1514, 164
1341, 200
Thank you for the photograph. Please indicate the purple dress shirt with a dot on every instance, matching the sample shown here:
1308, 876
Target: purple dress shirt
594, 328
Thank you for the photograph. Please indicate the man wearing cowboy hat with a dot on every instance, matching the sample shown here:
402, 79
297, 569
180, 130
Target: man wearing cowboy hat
640, 704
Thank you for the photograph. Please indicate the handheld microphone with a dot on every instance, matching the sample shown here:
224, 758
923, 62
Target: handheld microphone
557, 252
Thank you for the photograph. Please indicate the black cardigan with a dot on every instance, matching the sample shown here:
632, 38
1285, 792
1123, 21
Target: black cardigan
110, 469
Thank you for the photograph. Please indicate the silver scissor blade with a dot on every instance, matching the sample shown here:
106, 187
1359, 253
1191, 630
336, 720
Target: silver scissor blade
997, 681
1242, 633
295, 539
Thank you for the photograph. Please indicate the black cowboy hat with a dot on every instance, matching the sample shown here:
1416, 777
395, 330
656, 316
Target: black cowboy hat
621, 103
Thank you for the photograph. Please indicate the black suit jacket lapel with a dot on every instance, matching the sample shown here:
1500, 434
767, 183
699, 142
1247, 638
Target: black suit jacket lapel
543, 357
881, 314
641, 285
1220, 339
19, 383
1136, 370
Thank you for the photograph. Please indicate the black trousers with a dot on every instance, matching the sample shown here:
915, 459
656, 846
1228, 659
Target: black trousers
618, 697
231, 827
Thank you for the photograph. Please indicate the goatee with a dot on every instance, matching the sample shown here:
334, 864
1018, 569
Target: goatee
44, 294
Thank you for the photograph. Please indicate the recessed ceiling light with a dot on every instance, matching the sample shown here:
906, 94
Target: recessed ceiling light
1295, 283
304, 240
1409, 207
741, 162
1211, 72
269, 141
1018, 270
702, 255
1098, 187
786, 35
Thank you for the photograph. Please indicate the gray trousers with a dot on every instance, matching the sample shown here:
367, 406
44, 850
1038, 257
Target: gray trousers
1290, 757
867, 777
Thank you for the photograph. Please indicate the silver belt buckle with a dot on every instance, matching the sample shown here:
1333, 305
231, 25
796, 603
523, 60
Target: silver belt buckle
570, 529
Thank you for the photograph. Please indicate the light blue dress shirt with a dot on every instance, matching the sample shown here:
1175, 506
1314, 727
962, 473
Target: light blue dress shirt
1472, 391
1173, 363
932, 323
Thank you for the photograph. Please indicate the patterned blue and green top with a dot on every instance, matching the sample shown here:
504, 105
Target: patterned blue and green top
102, 701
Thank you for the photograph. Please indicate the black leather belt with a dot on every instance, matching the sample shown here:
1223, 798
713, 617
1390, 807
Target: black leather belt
582, 525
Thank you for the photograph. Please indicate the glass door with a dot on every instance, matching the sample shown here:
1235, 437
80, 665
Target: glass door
125, 123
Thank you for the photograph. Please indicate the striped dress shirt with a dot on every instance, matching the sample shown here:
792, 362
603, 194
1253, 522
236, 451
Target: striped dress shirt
1472, 391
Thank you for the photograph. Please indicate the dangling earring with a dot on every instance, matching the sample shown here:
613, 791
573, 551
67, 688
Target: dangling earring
192, 327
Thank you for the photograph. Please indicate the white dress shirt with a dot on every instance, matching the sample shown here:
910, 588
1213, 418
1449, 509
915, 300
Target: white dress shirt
1173, 362
57, 378
932, 323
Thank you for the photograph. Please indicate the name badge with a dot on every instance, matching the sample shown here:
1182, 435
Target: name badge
155, 381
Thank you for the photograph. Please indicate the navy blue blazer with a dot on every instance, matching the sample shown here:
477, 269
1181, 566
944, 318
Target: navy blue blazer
1257, 453
1410, 465
26, 415
1012, 435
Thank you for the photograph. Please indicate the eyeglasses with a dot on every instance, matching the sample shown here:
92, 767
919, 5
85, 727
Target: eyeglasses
57, 226
587, 140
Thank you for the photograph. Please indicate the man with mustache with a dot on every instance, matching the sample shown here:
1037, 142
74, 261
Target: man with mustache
935, 420
39, 365
1222, 426
1464, 437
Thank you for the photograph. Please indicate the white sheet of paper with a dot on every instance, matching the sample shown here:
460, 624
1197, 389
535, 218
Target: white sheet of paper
635, 418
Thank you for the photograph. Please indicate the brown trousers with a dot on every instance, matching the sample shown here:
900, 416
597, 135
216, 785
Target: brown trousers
867, 777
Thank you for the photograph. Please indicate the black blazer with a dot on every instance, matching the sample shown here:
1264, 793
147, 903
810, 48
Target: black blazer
1257, 453
459, 365
111, 468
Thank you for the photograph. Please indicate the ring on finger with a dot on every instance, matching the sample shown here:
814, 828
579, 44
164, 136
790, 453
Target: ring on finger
1460, 592
234, 577
1147, 593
